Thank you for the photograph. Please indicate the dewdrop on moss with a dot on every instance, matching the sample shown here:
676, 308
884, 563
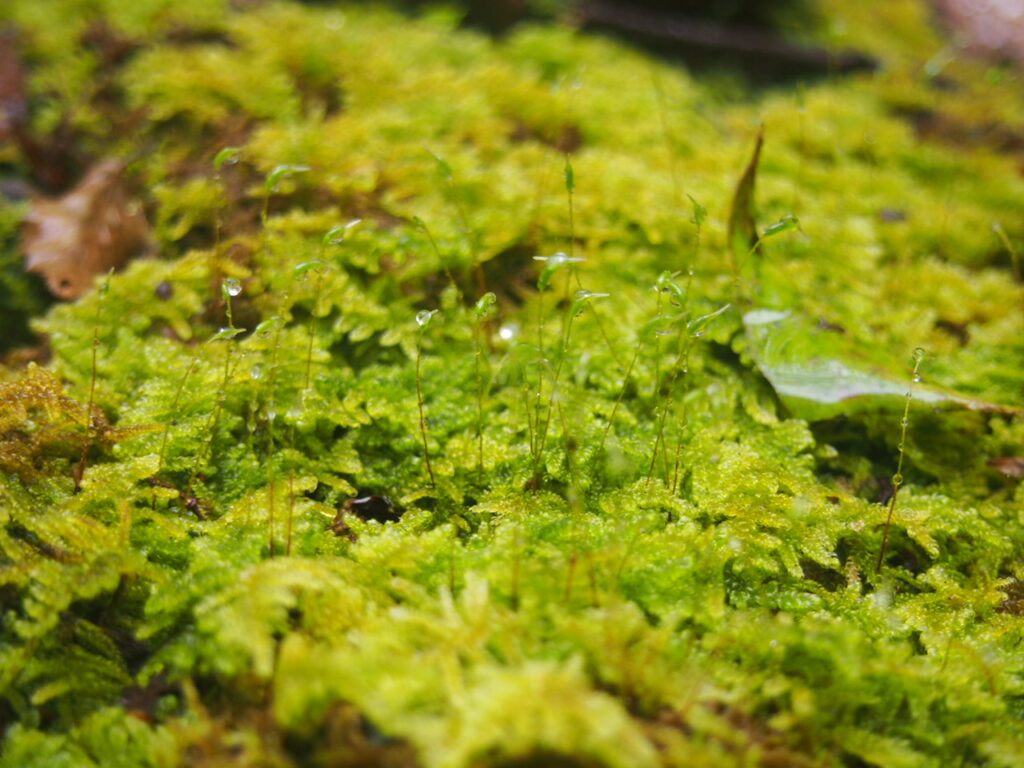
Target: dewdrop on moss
509, 332
231, 286
424, 316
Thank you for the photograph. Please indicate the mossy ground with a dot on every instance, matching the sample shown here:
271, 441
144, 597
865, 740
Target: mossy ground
632, 552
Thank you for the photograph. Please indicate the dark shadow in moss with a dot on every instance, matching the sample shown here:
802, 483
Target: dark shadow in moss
829, 578
345, 738
543, 758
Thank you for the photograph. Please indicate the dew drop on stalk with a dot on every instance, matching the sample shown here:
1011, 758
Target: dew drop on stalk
257, 372
424, 315
231, 286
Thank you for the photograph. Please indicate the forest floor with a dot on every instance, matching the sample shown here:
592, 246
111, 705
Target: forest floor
378, 392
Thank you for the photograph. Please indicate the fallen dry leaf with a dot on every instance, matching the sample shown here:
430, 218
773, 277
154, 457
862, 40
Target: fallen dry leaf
1011, 466
92, 229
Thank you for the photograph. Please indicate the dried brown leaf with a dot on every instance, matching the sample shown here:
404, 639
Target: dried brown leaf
742, 232
92, 229
1011, 466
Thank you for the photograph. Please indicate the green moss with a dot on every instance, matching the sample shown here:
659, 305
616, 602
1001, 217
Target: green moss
652, 553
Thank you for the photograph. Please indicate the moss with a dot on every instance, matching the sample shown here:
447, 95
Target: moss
634, 545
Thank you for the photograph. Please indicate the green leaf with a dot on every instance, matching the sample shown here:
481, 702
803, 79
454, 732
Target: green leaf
820, 374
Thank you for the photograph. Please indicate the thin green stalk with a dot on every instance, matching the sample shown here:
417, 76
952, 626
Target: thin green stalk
229, 289
190, 368
422, 319
89, 420
897, 479
482, 312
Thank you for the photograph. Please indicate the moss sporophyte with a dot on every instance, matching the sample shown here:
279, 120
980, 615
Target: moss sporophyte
443, 426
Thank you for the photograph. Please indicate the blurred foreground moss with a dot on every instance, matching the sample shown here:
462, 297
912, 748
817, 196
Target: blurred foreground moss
632, 552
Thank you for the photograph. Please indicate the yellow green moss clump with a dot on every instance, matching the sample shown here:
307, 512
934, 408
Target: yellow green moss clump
448, 422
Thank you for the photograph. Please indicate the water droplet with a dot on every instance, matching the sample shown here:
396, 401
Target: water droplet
897, 479
164, 290
904, 422
257, 372
231, 286
424, 315
919, 354
917, 378
508, 332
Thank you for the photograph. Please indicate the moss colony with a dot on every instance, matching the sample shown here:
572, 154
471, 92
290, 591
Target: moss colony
637, 488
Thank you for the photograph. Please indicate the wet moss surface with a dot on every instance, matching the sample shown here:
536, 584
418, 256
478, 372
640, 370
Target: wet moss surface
480, 402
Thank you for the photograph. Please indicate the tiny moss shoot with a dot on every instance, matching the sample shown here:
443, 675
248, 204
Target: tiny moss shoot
230, 288
423, 319
897, 478
89, 416
483, 311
